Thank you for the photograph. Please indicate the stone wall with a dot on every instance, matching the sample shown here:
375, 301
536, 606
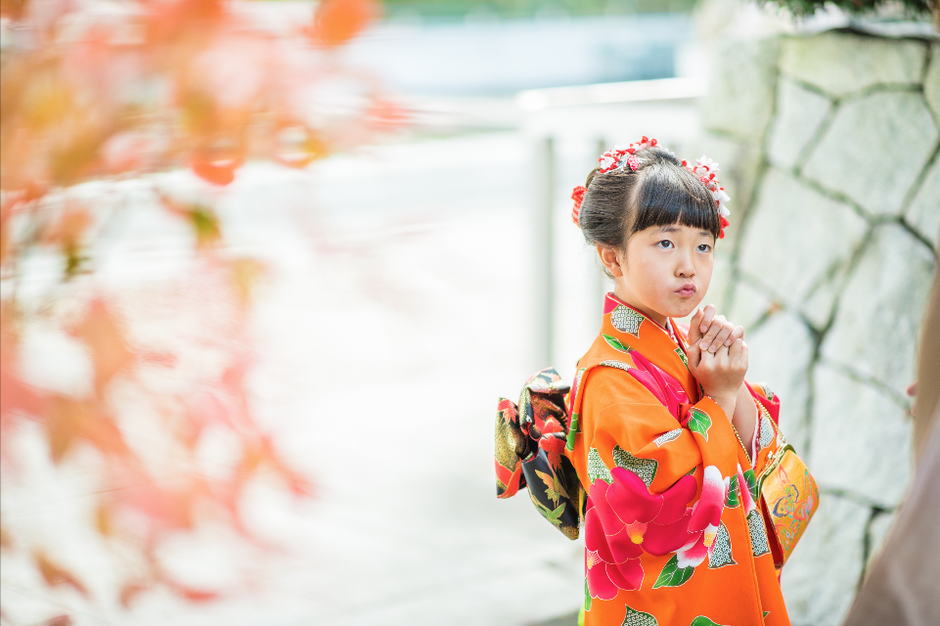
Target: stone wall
831, 147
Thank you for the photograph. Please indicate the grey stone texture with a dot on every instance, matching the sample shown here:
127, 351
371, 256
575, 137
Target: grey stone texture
841, 63
820, 577
780, 354
742, 94
862, 437
831, 271
924, 212
821, 300
932, 83
798, 117
790, 246
750, 305
878, 322
875, 168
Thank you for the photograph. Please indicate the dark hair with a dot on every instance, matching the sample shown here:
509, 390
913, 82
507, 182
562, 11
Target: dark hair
661, 192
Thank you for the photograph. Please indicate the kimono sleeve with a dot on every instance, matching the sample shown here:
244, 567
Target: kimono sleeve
624, 425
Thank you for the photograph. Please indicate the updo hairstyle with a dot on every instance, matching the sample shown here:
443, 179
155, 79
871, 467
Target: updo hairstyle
661, 192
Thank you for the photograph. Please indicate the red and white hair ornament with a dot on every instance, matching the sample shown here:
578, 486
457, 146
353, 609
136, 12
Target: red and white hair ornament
618, 156
578, 196
621, 158
705, 170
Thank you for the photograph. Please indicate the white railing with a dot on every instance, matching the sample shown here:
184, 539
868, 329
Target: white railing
606, 113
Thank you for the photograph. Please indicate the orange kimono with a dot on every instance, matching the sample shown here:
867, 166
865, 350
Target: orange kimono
674, 529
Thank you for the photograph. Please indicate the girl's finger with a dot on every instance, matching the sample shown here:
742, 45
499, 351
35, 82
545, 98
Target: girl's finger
721, 339
737, 333
738, 351
695, 333
709, 339
694, 355
707, 315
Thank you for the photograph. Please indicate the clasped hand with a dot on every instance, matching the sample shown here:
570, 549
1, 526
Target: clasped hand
717, 356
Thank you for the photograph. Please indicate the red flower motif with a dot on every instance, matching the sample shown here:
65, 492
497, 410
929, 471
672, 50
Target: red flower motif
578, 196
705, 518
666, 388
623, 520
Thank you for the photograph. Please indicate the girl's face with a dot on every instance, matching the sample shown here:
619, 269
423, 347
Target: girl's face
664, 271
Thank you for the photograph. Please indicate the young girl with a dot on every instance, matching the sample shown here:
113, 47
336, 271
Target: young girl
669, 442
671, 463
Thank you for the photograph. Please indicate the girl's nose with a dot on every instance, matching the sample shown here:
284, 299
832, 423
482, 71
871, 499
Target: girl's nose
685, 267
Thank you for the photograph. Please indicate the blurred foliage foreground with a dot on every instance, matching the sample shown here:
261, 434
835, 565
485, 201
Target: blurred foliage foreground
93, 94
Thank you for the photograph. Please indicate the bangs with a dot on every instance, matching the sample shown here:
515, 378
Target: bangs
673, 195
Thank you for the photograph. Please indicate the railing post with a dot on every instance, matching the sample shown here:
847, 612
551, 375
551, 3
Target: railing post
542, 275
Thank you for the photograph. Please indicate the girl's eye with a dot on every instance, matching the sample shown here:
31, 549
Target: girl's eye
665, 244
704, 247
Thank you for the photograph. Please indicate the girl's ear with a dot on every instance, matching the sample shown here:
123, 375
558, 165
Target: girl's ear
609, 258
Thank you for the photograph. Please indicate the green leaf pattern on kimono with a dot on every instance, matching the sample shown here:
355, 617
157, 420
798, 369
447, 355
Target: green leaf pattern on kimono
700, 422
597, 468
734, 499
682, 356
765, 435
673, 575
620, 365
644, 468
751, 483
666, 437
626, 320
638, 618
573, 431
701, 620
614, 343
720, 554
760, 545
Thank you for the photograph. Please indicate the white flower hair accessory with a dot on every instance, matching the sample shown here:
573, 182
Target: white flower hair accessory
704, 169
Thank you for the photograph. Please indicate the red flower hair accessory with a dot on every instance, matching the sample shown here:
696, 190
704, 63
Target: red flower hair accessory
620, 158
578, 196
705, 170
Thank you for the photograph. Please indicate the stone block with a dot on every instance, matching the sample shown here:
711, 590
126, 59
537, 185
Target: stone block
741, 93
877, 323
819, 303
840, 63
861, 439
797, 119
797, 237
932, 81
750, 304
924, 212
780, 352
820, 577
874, 150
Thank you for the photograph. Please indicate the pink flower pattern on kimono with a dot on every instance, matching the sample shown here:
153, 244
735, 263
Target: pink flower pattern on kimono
706, 517
666, 388
623, 520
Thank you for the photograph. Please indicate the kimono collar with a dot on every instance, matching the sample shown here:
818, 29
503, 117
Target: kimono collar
634, 330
